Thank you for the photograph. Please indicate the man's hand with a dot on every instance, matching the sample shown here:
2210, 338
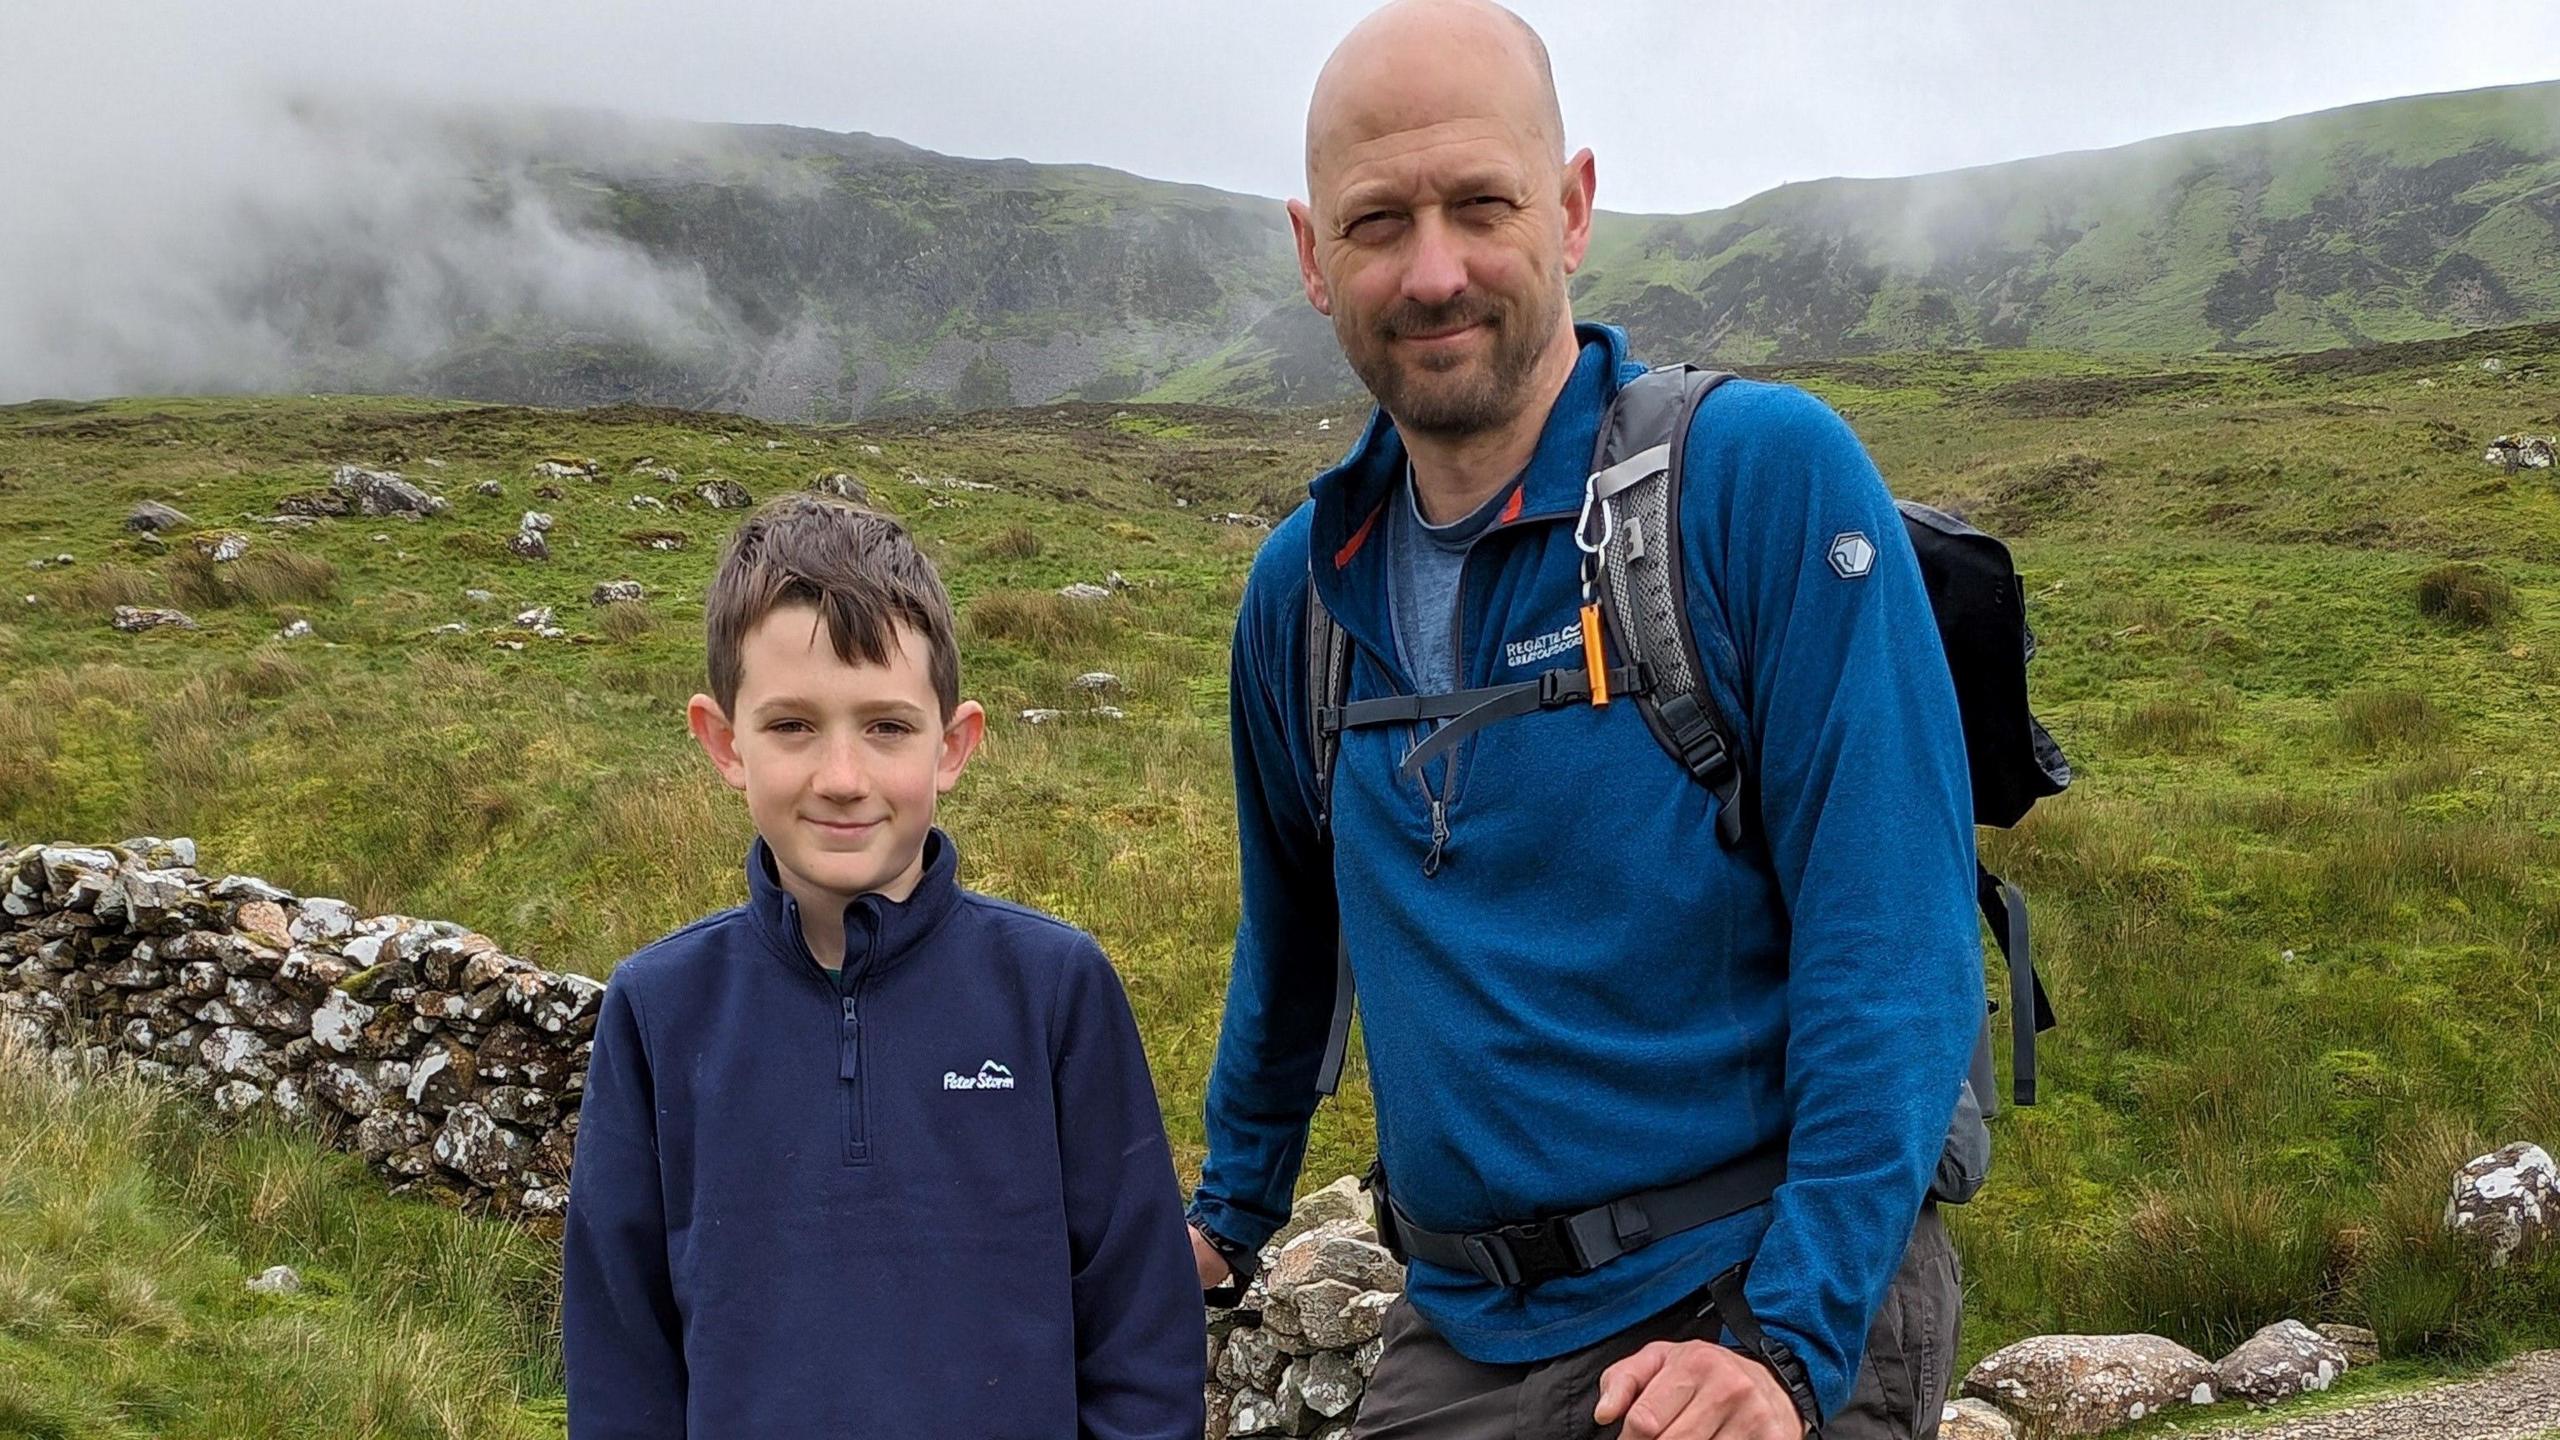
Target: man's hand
1214, 1269
1694, 1390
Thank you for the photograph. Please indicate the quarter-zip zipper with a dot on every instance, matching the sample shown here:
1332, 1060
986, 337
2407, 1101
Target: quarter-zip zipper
857, 1115
1460, 671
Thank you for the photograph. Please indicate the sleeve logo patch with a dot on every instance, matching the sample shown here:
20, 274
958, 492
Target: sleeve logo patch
1852, 555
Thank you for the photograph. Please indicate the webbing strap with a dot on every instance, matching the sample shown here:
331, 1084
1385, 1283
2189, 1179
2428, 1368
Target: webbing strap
1551, 690
2004, 906
1576, 1244
1337, 1040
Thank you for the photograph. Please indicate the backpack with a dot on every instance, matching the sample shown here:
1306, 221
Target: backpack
1630, 537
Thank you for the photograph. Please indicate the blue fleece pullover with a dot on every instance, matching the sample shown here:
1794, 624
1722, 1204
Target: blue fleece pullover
1586, 996
934, 1200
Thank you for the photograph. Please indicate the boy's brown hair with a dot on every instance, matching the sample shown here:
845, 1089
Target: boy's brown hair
859, 568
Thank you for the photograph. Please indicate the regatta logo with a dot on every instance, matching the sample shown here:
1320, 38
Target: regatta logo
990, 1076
1520, 653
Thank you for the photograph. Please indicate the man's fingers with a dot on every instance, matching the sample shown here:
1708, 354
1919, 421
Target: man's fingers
1621, 1383
1669, 1401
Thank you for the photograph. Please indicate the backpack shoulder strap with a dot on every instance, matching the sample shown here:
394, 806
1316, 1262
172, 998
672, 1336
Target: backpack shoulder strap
1637, 470
1328, 683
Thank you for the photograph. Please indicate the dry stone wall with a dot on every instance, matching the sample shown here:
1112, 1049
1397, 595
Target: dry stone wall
419, 1044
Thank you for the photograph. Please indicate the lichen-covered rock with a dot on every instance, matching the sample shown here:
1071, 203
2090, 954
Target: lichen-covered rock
276, 1280
1333, 1250
2281, 1361
2508, 1200
1327, 1381
2087, 1384
134, 619
1971, 1419
383, 492
474, 1145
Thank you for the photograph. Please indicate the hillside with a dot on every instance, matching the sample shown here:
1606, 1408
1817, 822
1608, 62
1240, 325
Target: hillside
2299, 914
574, 259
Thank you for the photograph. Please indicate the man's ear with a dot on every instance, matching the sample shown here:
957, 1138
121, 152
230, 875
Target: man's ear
1302, 226
961, 736
718, 738
1581, 182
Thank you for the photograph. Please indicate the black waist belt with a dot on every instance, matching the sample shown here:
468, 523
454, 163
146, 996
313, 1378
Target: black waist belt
1536, 1251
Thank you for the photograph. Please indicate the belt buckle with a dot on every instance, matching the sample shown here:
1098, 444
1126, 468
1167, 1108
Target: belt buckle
1490, 1256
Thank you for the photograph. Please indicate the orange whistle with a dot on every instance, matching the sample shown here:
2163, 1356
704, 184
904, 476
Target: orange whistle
1594, 659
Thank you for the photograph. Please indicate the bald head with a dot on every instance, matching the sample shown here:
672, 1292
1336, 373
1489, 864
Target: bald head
1417, 64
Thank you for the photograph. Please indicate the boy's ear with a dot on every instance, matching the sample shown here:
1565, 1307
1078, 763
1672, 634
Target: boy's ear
961, 736
718, 738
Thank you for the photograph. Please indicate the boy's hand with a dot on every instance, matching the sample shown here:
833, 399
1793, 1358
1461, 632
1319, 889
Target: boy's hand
1695, 1389
1214, 1269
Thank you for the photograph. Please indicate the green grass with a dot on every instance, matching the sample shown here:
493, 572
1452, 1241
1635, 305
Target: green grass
2299, 915
129, 1228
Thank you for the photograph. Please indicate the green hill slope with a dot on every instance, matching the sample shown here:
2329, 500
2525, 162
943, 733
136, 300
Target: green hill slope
801, 275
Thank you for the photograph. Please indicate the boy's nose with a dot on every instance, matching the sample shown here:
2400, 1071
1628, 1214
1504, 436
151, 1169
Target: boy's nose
842, 774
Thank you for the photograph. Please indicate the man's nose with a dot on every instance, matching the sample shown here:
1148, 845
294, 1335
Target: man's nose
1436, 269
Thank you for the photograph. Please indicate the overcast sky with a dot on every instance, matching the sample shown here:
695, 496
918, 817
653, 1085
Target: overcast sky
1689, 103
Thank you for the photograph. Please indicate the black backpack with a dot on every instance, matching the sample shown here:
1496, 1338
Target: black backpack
1630, 537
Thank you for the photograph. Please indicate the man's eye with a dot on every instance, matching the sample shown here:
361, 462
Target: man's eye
1485, 203
1375, 226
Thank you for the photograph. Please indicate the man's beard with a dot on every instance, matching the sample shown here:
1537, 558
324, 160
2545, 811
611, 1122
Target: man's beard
1438, 399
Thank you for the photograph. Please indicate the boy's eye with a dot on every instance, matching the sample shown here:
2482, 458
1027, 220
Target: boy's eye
892, 727
788, 726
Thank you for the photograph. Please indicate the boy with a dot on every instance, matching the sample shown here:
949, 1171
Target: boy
870, 1155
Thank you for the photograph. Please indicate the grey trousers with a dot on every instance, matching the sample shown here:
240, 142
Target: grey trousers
1424, 1390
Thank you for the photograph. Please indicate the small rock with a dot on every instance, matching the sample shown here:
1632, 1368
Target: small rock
1097, 681
647, 502
842, 486
2509, 1199
1109, 712
478, 597
134, 619
529, 545
490, 488
382, 492
535, 520
1084, 590
1041, 716
151, 517
276, 1280
613, 592
224, 548
298, 630
534, 619
724, 494
2281, 1361
1971, 1419
2359, 1345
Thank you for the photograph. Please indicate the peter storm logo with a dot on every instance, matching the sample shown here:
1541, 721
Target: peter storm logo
990, 1076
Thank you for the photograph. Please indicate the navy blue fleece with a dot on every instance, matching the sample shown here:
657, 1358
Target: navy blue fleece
1591, 997
936, 1203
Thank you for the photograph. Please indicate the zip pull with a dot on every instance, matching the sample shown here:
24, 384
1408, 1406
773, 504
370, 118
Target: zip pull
1439, 837
849, 1053
1595, 659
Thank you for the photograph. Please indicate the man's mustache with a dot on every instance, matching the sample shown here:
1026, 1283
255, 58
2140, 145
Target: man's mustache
1409, 318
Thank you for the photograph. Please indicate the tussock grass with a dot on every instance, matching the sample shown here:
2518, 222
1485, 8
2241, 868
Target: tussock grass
626, 620
1013, 542
2470, 596
1042, 623
2373, 720
266, 575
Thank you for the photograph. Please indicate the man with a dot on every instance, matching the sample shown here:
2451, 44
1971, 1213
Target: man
1577, 1001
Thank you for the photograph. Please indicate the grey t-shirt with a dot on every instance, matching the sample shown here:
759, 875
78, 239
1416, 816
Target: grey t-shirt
1423, 563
